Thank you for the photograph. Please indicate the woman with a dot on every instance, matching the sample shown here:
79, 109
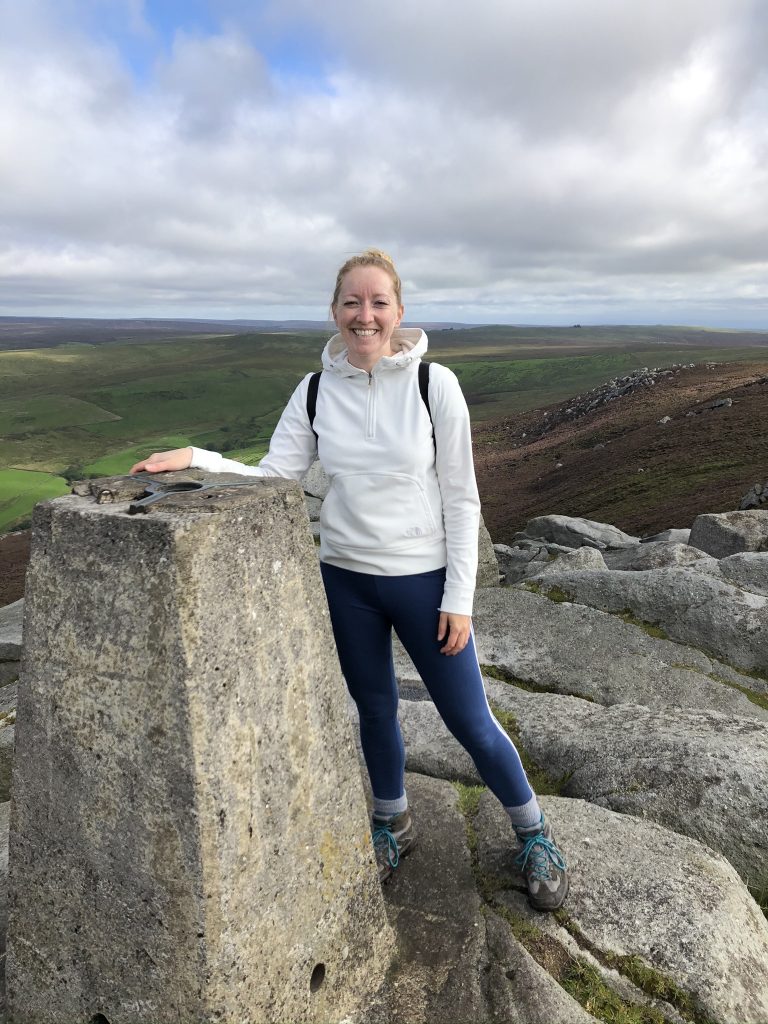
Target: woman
398, 548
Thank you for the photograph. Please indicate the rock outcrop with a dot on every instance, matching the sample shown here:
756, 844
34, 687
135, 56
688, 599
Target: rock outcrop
727, 533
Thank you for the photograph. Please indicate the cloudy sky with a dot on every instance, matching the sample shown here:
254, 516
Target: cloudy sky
525, 161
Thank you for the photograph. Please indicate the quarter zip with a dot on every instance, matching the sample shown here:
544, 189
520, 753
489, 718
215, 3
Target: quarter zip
370, 409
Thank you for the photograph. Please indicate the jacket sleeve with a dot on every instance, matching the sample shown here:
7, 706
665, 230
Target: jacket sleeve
458, 488
292, 450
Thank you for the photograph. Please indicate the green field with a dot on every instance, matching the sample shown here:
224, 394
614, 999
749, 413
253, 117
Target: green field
20, 491
96, 409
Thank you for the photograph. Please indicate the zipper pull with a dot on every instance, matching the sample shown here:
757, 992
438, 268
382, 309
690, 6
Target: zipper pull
370, 378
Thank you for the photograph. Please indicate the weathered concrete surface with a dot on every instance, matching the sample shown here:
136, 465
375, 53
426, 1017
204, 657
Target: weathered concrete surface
572, 649
726, 533
4, 812
190, 840
689, 606
639, 890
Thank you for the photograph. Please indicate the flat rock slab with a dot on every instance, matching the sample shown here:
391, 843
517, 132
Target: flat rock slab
11, 617
640, 890
573, 649
689, 606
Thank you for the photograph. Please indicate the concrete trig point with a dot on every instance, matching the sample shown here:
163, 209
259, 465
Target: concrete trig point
189, 838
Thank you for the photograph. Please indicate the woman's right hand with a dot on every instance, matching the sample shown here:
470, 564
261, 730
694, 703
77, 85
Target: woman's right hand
165, 462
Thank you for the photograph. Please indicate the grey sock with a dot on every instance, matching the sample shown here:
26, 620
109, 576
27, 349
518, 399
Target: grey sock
525, 815
389, 808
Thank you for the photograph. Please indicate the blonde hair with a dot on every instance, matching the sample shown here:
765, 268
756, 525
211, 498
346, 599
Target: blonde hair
369, 258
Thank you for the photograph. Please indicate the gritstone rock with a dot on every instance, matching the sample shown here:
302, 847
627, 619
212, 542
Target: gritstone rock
458, 962
190, 835
10, 631
669, 536
574, 532
689, 606
726, 533
755, 498
638, 890
572, 649
698, 773
748, 569
656, 555
581, 558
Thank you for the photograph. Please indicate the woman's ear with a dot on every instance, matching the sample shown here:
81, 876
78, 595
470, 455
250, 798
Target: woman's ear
400, 314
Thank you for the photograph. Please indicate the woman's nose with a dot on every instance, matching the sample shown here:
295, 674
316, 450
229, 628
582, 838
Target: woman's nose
365, 313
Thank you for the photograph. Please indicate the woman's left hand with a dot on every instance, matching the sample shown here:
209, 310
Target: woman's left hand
455, 630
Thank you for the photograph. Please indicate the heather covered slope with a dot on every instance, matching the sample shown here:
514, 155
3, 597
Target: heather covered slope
604, 455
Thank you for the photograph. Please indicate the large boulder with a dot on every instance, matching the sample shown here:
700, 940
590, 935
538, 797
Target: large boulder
689, 606
572, 649
700, 773
726, 533
696, 772
656, 555
648, 908
573, 532
316, 481
748, 570
580, 558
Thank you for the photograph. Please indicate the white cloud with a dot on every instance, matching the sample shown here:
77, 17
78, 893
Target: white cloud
519, 160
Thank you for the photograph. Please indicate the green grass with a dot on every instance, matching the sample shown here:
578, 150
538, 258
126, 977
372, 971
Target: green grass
20, 491
651, 628
495, 672
542, 783
552, 593
649, 980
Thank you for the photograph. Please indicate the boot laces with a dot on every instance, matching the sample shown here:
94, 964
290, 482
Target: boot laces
541, 851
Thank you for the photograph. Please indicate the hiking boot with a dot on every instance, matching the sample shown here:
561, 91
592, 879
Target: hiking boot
393, 838
543, 865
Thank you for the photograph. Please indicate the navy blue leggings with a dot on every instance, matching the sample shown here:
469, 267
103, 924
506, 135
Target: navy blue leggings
364, 609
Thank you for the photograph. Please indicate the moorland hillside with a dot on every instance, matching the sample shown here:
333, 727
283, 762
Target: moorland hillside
645, 452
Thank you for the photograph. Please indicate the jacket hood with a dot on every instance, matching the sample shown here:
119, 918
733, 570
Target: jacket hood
408, 345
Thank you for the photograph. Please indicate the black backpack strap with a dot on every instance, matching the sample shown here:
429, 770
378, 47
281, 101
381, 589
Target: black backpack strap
314, 384
424, 392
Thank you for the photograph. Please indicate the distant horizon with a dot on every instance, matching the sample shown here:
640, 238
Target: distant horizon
433, 322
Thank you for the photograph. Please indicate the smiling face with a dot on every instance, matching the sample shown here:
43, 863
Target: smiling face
366, 314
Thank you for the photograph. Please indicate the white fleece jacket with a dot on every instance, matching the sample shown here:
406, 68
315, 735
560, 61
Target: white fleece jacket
396, 506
